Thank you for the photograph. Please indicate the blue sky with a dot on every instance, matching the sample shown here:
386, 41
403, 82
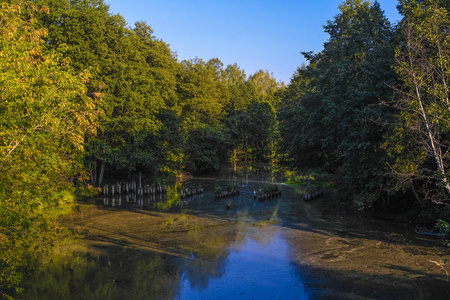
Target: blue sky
255, 34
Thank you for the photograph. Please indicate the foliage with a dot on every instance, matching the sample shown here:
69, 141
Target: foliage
202, 92
444, 230
333, 120
136, 73
46, 113
422, 131
206, 150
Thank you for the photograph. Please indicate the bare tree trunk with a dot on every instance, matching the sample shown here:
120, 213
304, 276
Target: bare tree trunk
434, 147
246, 149
102, 172
94, 174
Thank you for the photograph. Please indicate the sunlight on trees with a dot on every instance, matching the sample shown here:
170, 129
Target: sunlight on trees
85, 97
421, 137
45, 115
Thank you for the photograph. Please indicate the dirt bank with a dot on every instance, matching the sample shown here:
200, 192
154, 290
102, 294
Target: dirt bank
354, 258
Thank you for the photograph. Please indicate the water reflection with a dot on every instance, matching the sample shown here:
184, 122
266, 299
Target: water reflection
113, 273
174, 246
260, 267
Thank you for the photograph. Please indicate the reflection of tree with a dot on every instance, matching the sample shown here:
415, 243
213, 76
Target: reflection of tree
199, 271
116, 274
211, 260
210, 249
264, 236
172, 198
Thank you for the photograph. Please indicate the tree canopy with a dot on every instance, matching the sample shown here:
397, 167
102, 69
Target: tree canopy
46, 113
332, 120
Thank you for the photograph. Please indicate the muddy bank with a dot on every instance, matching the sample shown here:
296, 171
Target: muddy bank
351, 257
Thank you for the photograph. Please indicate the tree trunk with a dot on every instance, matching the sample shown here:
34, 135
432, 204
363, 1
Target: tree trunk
234, 159
433, 144
94, 174
102, 172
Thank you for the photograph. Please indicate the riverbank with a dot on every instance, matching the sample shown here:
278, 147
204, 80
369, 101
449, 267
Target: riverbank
362, 258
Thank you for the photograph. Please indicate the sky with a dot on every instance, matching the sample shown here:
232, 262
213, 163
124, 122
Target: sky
255, 34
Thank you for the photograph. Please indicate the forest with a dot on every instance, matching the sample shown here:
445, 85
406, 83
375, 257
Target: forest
85, 98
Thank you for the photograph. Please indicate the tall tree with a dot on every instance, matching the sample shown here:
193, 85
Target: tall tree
266, 87
137, 76
420, 141
236, 80
345, 82
46, 112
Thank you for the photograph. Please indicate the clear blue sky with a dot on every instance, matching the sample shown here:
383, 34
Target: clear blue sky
255, 34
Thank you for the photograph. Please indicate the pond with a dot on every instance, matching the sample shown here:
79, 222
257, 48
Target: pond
237, 247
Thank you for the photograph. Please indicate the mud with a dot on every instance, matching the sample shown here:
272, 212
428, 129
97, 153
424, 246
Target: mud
358, 258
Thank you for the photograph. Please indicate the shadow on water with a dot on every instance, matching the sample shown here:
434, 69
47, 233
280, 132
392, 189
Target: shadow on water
199, 248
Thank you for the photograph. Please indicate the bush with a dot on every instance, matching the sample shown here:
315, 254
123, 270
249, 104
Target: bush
444, 231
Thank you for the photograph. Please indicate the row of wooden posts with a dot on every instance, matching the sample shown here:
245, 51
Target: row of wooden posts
268, 195
188, 192
133, 188
133, 198
313, 194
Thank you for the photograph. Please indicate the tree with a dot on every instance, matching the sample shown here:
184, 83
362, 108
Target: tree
206, 149
202, 91
46, 113
420, 141
266, 87
344, 84
136, 73
236, 80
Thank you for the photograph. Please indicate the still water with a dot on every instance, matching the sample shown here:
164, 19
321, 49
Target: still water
253, 270
237, 247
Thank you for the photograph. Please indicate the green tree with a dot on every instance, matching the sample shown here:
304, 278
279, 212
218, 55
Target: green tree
266, 87
136, 73
299, 121
335, 118
236, 80
206, 149
141, 91
45, 113
419, 143
202, 92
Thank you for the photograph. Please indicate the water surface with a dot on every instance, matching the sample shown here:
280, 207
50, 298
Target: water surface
254, 269
195, 248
